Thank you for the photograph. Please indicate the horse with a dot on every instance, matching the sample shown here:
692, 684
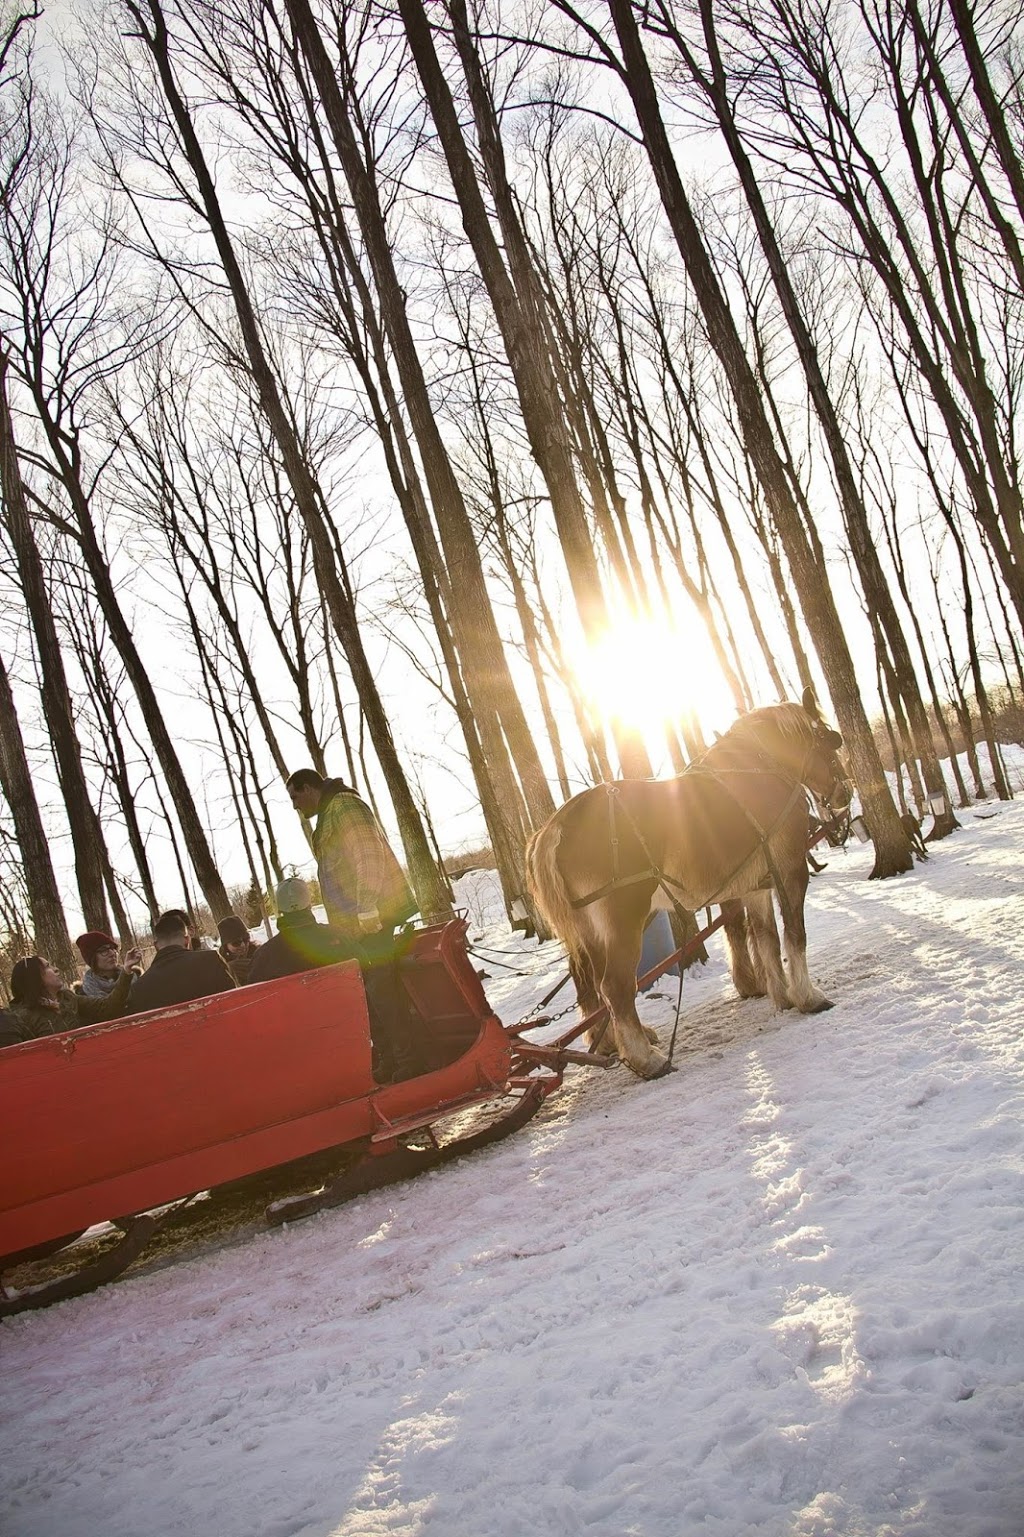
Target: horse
732, 829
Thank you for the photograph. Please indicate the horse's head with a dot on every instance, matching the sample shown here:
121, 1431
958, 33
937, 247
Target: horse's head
824, 773
802, 749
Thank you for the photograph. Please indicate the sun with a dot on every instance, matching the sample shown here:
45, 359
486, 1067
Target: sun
648, 672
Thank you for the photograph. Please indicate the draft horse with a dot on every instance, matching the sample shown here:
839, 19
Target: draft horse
732, 830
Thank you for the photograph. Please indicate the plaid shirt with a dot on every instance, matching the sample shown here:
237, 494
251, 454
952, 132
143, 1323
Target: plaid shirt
358, 871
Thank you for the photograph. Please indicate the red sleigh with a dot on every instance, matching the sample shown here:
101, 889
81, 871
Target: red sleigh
137, 1115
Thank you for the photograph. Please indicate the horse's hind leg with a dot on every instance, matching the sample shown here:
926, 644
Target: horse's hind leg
581, 968
742, 964
806, 997
764, 943
619, 988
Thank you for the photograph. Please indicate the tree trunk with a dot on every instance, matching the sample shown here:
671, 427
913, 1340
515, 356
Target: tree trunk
48, 922
55, 692
518, 311
991, 106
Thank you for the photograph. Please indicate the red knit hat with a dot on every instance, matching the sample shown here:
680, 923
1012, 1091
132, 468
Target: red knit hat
89, 944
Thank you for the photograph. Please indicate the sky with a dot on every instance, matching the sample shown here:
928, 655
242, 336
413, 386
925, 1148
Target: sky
776, 1294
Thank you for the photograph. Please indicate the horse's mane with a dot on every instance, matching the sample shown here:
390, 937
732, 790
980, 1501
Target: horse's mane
789, 720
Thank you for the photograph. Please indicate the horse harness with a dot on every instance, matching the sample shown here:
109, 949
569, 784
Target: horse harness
666, 881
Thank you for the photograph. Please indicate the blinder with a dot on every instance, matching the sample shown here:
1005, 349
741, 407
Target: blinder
841, 790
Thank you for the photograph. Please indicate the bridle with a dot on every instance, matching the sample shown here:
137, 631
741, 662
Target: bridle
824, 799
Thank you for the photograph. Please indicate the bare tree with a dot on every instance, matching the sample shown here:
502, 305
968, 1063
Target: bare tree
515, 296
55, 691
47, 914
931, 271
152, 32
64, 344
711, 78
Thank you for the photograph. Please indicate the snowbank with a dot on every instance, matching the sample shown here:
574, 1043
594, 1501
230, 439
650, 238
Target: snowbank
778, 1293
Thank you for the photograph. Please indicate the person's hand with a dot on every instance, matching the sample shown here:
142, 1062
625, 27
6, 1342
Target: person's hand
132, 958
369, 922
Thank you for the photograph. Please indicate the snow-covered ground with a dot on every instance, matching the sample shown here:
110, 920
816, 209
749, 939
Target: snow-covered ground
777, 1293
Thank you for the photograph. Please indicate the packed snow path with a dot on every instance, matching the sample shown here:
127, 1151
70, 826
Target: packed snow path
778, 1293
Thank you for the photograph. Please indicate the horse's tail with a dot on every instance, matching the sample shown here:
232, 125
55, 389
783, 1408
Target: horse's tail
547, 884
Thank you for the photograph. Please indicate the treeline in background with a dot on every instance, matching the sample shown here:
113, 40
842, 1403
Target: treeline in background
377, 379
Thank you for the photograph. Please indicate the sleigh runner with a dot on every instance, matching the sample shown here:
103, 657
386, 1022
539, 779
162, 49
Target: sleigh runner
136, 1116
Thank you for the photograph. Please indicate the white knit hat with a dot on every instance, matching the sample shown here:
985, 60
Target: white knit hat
293, 895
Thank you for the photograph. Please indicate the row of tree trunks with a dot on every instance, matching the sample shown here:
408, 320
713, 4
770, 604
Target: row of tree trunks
47, 913
427, 880
893, 853
56, 695
933, 332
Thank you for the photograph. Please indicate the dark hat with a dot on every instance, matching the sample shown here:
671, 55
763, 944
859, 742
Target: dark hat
90, 944
232, 930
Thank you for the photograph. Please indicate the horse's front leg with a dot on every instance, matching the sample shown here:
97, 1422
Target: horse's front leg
806, 997
586, 965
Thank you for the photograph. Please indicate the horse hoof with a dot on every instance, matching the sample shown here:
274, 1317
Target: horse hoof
821, 1007
656, 1066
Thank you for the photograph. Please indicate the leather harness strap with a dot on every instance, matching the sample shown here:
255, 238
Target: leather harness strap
665, 880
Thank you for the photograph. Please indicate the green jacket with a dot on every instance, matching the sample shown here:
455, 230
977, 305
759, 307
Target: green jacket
357, 870
72, 1012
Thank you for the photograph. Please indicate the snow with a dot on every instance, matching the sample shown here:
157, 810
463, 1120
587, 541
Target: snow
777, 1293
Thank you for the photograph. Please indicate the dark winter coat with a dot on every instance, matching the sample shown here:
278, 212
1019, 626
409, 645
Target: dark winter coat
31, 1021
357, 870
177, 975
301, 944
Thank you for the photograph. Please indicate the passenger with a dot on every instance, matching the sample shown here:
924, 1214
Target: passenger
41, 1004
302, 944
10, 1030
177, 973
193, 941
100, 954
237, 949
364, 889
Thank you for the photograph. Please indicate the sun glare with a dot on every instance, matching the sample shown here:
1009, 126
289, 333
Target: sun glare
646, 672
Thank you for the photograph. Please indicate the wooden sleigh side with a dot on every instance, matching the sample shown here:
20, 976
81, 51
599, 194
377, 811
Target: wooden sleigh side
115, 1121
